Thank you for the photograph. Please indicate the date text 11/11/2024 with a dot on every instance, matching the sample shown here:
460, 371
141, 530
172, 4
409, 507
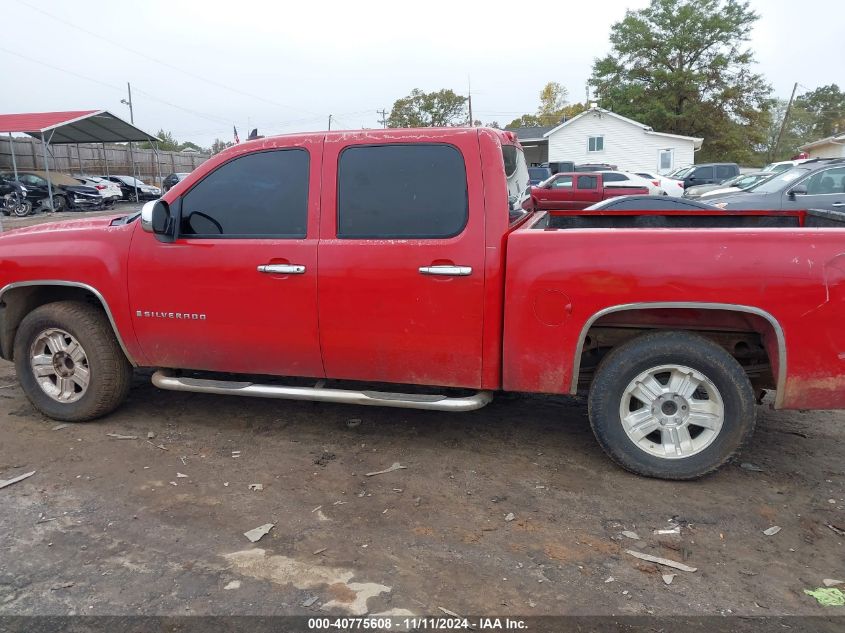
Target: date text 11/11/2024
417, 624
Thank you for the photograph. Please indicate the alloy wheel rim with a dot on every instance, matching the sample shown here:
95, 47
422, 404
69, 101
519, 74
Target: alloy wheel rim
60, 365
672, 411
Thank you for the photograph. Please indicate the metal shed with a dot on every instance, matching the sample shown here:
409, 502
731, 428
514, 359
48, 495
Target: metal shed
73, 127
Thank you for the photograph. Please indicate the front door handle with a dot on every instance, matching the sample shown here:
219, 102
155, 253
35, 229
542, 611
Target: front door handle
838, 204
282, 269
452, 271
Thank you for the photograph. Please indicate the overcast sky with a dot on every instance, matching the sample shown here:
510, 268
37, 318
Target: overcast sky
197, 67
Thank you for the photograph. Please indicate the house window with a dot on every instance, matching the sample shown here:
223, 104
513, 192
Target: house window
666, 160
595, 144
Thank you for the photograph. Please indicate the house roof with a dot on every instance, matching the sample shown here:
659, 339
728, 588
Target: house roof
75, 126
531, 133
836, 139
647, 129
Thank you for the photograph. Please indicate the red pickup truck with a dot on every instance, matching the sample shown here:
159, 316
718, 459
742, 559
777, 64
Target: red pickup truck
576, 191
403, 257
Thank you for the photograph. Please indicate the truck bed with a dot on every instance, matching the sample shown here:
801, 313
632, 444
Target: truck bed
777, 276
812, 218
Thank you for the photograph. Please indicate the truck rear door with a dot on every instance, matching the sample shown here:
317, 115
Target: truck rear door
401, 251
589, 190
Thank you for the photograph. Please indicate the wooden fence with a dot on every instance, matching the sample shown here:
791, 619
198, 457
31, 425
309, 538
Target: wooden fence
95, 159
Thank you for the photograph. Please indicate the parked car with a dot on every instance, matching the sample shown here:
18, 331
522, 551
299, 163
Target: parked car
706, 174
624, 178
424, 282
128, 184
576, 191
783, 165
817, 183
743, 182
68, 193
559, 166
669, 185
172, 179
536, 175
109, 191
595, 167
650, 203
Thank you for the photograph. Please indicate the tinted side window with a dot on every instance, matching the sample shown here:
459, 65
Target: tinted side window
703, 172
264, 194
827, 181
401, 191
614, 177
587, 182
724, 172
562, 182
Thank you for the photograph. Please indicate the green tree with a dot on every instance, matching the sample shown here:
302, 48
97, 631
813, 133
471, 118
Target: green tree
683, 66
168, 142
826, 106
190, 145
429, 109
552, 102
798, 130
526, 120
218, 146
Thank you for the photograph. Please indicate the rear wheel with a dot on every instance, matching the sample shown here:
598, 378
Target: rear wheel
672, 405
69, 363
59, 203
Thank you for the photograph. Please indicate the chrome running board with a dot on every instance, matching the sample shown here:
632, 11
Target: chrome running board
166, 380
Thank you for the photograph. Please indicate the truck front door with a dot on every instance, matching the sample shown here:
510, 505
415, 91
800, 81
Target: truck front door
401, 253
237, 289
558, 194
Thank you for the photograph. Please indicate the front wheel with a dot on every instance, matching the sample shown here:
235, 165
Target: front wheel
69, 362
672, 405
23, 208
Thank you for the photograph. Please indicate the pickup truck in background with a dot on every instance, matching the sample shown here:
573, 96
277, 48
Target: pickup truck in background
370, 267
576, 191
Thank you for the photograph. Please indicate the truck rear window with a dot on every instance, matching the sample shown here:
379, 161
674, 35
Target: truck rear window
401, 191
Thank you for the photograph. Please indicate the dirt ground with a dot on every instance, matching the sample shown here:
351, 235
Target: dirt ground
156, 526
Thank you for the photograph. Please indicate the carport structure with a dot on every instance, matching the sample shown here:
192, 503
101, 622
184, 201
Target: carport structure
75, 127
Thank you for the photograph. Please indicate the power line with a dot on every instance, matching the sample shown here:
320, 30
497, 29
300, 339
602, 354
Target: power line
383, 119
107, 85
163, 63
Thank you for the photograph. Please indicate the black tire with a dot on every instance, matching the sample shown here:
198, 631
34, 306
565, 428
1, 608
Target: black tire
59, 203
23, 209
109, 370
624, 363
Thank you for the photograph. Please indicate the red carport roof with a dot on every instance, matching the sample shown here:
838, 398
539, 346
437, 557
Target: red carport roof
75, 126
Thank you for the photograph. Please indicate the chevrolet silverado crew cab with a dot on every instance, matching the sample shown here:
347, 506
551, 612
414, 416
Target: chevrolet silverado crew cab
397, 268
578, 191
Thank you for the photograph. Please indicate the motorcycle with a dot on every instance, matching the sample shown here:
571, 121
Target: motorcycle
14, 200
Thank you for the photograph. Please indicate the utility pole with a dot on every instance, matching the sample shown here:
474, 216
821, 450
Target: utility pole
383, 119
469, 93
129, 103
330, 122
785, 119
131, 151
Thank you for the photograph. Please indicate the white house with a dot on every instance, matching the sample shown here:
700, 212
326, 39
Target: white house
830, 147
600, 136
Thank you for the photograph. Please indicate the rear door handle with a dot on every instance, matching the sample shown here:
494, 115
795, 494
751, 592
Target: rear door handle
282, 269
838, 204
452, 271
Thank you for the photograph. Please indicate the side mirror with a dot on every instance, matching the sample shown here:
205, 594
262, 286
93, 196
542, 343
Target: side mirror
797, 190
156, 218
